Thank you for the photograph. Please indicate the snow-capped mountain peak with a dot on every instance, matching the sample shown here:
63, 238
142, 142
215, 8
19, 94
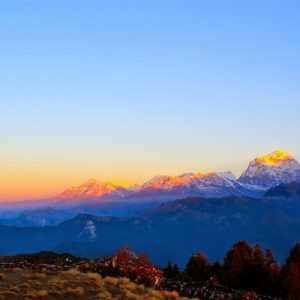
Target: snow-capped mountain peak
94, 188
205, 184
167, 182
228, 175
272, 169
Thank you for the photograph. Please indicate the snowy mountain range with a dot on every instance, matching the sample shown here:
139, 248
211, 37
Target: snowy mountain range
262, 173
121, 198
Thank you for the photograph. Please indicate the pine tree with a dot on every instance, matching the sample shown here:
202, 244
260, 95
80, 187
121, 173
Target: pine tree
290, 275
235, 265
254, 271
294, 255
291, 282
171, 271
196, 267
271, 273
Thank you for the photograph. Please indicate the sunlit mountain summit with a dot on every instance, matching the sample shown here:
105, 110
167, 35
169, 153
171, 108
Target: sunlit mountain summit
271, 170
262, 173
94, 188
275, 158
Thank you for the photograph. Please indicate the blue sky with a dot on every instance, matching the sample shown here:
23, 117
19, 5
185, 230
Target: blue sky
133, 89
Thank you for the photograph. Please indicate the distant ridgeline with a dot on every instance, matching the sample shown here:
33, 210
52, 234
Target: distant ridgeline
172, 230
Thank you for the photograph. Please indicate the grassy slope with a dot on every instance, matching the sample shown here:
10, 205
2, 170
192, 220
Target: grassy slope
20, 284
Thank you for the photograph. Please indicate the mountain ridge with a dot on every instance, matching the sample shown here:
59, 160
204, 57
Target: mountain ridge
262, 173
196, 224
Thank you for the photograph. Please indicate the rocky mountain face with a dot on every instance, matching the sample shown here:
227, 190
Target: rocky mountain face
208, 185
271, 170
96, 189
284, 191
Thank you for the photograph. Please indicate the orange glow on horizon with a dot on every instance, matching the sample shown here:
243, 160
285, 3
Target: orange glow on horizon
41, 177
36, 187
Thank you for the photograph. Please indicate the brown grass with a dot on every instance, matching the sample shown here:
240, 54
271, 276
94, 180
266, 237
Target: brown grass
21, 284
37, 294
78, 291
34, 275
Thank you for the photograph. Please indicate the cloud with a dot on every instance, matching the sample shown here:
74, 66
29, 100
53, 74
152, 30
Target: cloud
91, 229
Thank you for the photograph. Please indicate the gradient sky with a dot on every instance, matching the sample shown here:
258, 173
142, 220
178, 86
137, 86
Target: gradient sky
132, 89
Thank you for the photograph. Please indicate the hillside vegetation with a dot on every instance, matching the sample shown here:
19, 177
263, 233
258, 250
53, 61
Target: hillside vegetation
22, 284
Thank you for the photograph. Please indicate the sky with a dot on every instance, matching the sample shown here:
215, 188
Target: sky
133, 89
